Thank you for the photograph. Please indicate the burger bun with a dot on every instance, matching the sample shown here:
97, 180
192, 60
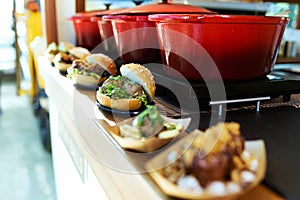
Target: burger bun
138, 74
79, 52
83, 80
118, 104
65, 47
103, 60
62, 66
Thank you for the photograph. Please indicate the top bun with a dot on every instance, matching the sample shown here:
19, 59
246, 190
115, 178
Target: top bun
103, 60
79, 52
65, 47
52, 48
142, 76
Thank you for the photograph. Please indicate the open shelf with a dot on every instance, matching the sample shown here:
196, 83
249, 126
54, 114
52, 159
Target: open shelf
281, 60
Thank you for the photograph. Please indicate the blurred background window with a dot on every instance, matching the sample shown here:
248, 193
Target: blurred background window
279, 7
7, 36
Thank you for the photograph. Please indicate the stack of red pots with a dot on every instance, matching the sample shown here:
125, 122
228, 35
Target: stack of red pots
87, 31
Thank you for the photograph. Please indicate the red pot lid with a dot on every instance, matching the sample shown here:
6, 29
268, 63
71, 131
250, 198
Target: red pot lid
164, 7
109, 12
238, 19
135, 18
86, 15
98, 16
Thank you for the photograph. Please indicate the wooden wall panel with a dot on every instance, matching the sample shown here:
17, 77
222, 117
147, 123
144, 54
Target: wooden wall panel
50, 17
80, 5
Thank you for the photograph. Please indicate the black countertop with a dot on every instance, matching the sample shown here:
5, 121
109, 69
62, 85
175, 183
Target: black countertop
277, 122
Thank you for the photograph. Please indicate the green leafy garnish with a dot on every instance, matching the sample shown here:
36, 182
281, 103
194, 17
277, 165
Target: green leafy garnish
169, 126
109, 89
143, 98
113, 91
71, 72
115, 78
94, 75
153, 115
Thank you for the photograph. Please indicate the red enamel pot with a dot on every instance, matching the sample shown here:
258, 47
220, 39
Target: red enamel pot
136, 39
211, 47
136, 36
108, 44
87, 31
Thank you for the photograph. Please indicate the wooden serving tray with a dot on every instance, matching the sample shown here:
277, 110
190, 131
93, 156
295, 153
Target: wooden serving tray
144, 145
256, 148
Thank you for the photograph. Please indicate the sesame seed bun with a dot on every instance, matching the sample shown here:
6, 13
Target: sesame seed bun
140, 75
101, 61
118, 104
106, 62
62, 66
79, 52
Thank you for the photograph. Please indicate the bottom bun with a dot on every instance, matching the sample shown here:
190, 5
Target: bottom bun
85, 80
118, 104
50, 57
62, 66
